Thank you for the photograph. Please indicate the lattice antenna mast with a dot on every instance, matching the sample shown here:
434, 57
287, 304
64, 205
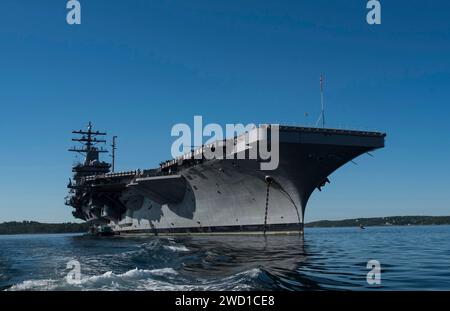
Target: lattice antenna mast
113, 153
89, 142
322, 106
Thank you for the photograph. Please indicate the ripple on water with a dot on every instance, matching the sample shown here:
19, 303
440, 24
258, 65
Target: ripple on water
333, 258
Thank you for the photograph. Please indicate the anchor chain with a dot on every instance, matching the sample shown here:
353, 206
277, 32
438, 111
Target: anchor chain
269, 183
153, 228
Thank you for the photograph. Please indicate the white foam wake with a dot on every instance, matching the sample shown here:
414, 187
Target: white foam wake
108, 280
176, 248
141, 279
46, 284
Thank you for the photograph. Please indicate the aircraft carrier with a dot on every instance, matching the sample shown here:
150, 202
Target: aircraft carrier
195, 194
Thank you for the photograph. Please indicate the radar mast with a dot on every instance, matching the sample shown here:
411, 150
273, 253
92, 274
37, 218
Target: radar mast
90, 150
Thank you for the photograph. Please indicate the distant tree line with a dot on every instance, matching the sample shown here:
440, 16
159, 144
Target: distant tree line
16, 227
383, 221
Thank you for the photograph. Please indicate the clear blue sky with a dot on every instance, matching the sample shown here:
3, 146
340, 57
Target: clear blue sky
135, 68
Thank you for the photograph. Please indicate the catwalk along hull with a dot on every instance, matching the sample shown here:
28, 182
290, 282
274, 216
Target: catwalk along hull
227, 195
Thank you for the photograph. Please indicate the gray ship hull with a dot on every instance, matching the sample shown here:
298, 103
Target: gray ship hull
229, 196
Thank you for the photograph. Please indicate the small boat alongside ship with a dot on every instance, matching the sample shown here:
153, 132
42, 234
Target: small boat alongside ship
98, 230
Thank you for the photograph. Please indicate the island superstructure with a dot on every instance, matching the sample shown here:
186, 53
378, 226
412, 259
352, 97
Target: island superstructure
198, 195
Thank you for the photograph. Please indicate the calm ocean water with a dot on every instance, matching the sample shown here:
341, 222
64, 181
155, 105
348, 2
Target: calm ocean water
411, 258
